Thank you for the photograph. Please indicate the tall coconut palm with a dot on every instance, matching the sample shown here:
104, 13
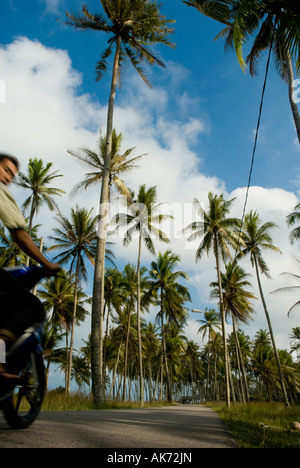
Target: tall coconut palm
128, 285
76, 239
142, 218
217, 351
210, 323
237, 301
271, 23
263, 366
256, 237
58, 299
38, 180
175, 350
132, 26
217, 232
116, 341
113, 300
164, 281
120, 164
151, 345
192, 357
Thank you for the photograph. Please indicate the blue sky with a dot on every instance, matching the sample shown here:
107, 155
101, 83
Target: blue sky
196, 124
219, 89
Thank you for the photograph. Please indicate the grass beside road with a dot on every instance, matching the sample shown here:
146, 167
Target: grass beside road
57, 401
260, 425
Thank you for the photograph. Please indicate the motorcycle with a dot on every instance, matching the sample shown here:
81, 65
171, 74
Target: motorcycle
22, 399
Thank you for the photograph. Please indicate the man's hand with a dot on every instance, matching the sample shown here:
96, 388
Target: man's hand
52, 269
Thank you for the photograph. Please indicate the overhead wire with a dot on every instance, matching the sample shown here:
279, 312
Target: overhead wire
256, 137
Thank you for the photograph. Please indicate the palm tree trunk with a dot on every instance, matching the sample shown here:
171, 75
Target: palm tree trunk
32, 212
151, 394
126, 349
158, 374
231, 383
105, 337
139, 320
116, 367
216, 380
164, 347
98, 289
241, 365
66, 366
161, 380
68, 388
271, 334
290, 80
222, 312
208, 366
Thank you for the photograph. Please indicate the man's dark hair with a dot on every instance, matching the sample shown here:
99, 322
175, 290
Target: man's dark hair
11, 158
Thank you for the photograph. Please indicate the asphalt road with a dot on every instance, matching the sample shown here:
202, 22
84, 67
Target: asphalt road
176, 427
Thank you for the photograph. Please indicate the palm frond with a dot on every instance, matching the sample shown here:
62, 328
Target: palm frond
102, 63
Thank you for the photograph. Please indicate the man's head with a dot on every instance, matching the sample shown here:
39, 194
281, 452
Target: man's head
9, 168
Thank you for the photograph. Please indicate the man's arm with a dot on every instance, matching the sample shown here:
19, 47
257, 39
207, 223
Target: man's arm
24, 241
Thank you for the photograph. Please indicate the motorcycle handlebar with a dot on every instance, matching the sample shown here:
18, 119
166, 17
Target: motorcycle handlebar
28, 276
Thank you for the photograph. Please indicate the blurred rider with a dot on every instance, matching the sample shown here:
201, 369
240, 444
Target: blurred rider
19, 309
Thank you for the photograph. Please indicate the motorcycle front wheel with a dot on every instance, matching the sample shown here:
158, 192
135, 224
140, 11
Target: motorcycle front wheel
22, 408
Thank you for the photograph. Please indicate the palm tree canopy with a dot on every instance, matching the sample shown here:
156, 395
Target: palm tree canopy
143, 215
95, 160
237, 298
58, 298
256, 237
128, 285
268, 19
163, 269
76, 238
138, 23
38, 180
113, 294
216, 225
210, 321
164, 278
262, 338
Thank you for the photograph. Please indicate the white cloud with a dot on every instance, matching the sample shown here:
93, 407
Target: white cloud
273, 205
52, 5
45, 114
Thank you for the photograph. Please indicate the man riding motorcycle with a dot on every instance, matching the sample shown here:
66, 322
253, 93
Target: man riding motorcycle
19, 309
